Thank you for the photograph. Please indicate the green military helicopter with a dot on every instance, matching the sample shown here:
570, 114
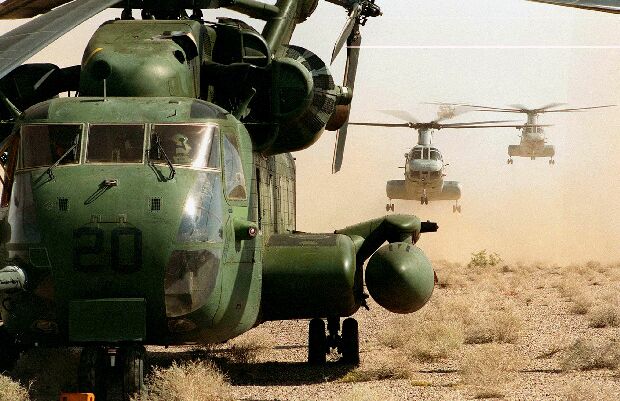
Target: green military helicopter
424, 164
158, 206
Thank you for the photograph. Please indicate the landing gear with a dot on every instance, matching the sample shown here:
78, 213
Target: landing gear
9, 351
456, 208
389, 207
347, 344
93, 372
533, 158
510, 161
424, 200
317, 342
551, 162
96, 366
133, 372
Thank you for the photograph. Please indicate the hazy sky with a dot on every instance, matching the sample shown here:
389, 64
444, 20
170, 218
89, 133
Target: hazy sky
495, 52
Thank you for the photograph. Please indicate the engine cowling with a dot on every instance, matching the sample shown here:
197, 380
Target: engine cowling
400, 277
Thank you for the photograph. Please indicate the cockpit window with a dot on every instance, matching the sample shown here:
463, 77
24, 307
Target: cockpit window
195, 146
44, 145
233, 169
115, 143
426, 153
435, 155
417, 153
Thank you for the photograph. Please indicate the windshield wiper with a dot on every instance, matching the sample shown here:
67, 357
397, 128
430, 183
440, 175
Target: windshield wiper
49, 170
163, 152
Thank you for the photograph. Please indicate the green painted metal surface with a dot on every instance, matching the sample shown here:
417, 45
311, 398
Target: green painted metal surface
107, 320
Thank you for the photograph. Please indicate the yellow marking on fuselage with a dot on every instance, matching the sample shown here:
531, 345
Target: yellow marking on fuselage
92, 54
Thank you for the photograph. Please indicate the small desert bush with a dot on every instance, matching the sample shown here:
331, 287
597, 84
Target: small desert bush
248, 348
501, 326
430, 335
484, 259
581, 304
190, 381
604, 316
586, 355
570, 286
434, 341
12, 391
385, 367
487, 370
49, 370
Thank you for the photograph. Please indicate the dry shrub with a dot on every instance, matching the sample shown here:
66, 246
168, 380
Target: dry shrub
488, 370
501, 326
248, 348
12, 391
579, 391
367, 394
586, 355
434, 341
49, 370
432, 334
581, 304
384, 367
604, 316
570, 286
190, 381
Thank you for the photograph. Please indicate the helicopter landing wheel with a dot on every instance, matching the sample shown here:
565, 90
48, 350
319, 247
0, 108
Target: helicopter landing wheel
317, 342
458, 208
532, 158
510, 161
551, 162
9, 352
93, 372
133, 358
349, 342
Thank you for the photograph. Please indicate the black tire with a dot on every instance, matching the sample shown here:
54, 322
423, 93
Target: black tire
350, 342
317, 342
9, 351
133, 373
93, 372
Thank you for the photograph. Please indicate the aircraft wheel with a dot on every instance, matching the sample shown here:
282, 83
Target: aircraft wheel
387, 207
453, 208
9, 352
133, 372
349, 342
93, 372
422, 200
317, 342
458, 208
426, 201
392, 207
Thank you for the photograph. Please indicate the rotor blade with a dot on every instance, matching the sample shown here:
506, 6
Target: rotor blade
384, 124
21, 43
608, 6
350, 71
485, 126
519, 107
352, 20
401, 115
13, 9
549, 106
579, 109
476, 123
486, 108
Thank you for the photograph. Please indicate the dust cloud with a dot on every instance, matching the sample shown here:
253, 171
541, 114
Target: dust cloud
483, 51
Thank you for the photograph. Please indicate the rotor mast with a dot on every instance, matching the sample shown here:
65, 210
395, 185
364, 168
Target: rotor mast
425, 136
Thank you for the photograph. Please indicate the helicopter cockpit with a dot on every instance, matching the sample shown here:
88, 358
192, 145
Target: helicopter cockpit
425, 153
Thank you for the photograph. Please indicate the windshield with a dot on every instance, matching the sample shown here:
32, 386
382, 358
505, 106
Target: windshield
187, 145
417, 153
115, 143
435, 155
43, 145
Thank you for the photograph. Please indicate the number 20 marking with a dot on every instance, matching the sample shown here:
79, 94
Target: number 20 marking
91, 256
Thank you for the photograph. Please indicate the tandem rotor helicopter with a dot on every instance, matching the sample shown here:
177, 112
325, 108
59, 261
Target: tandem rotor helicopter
533, 142
158, 206
424, 164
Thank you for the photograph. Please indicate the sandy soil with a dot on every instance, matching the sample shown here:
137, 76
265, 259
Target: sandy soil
268, 363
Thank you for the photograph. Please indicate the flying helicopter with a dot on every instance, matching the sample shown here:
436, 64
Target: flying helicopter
424, 164
533, 142
158, 205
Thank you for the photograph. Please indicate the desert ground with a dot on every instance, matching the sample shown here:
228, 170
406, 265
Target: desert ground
491, 330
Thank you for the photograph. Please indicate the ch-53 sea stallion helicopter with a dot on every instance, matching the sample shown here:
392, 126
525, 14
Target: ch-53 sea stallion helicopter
424, 164
158, 206
533, 142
